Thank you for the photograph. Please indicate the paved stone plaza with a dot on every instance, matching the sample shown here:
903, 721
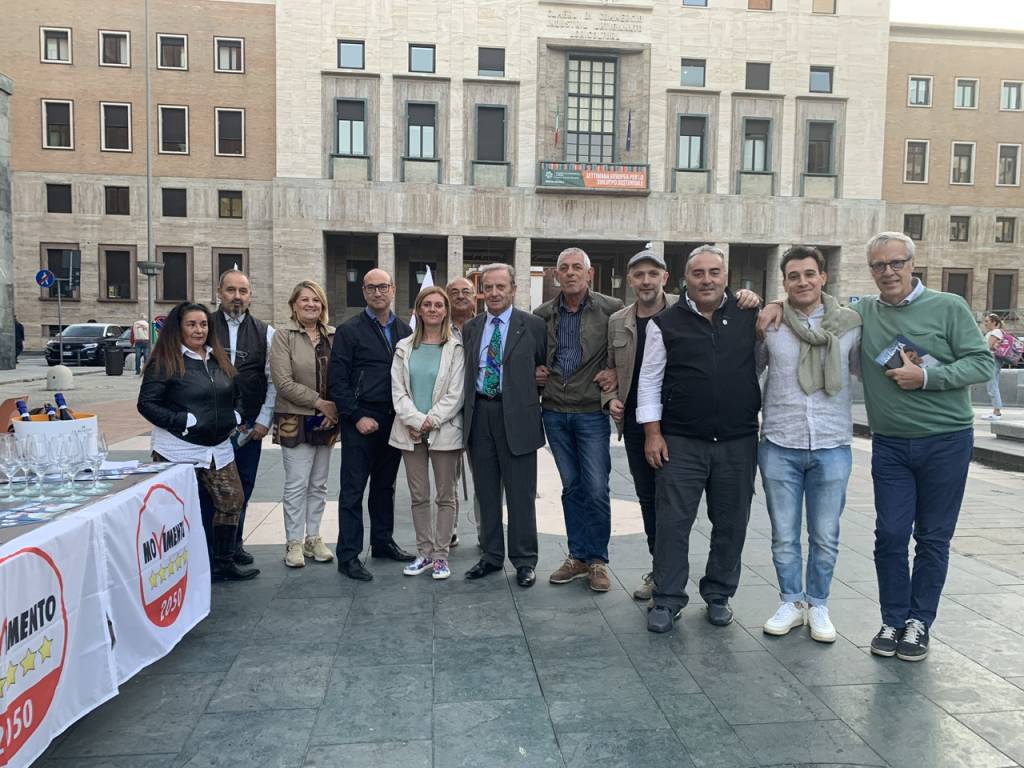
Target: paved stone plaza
306, 668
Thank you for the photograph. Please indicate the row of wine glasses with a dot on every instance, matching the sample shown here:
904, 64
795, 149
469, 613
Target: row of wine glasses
71, 454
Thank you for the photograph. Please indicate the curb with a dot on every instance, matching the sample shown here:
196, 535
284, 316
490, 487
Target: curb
28, 378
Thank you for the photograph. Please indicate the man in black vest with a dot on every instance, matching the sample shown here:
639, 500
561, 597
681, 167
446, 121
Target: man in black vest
698, 399
359, 381
247, 341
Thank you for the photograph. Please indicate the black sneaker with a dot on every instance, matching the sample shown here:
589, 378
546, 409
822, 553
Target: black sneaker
660, 618
913, 645
455, 540
886, 641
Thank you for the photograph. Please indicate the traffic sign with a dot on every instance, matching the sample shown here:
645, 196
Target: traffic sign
158, 322
45, 278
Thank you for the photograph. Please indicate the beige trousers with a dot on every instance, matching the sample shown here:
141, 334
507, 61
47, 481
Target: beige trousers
306, 468
432, 541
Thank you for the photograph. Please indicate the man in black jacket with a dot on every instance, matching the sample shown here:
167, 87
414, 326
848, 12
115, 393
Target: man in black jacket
698, 400
359, 380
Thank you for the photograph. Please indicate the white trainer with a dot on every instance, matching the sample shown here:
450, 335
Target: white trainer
788, 616
821, 625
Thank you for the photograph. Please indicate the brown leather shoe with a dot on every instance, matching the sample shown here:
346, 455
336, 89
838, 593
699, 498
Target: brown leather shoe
569, 570
599, 579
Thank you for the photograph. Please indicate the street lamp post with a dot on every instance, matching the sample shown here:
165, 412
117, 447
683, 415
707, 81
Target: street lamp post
150, 269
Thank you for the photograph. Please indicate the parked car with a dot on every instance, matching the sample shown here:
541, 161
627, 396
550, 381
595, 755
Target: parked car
85, 344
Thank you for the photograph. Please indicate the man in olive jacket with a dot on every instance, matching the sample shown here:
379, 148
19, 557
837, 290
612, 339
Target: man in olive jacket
577, 429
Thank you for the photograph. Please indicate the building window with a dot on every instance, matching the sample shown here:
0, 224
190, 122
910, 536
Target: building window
172, 51
229, 204
421, 58
117, 201
491, 62
421, 131
58, 124
1002, 290
229, 54
919, 91
351, 54
819, 148
55, 45
690, 154
65, 261
58, 198
230, 132
1008, 174
755, 145
758, 76
915, 171
117, 271
590, 117
823, 6
958, 281
692, 72
174, 283
351, 127
1010, 100
962, 168
228, 258
175, 202
355, 271
966, 93
821, 79
913, 225
173, 130
490, 134
759, 5
115, 49
696, 3
959, 229
1006, 229
115, 127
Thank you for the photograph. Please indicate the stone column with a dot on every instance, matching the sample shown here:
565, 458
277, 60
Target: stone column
6, 242
521, 264
455, 265
386, 253
773, 277
725, 249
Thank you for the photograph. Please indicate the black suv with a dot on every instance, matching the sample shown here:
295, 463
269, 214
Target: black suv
84, 344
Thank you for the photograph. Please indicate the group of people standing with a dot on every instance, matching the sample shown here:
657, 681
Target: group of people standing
679, 377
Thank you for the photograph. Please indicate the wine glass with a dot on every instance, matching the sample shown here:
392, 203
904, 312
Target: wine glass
9, 463
72, 460
35, 457
96, 453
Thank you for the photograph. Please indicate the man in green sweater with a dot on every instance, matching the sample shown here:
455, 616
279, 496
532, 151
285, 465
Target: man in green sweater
920, 353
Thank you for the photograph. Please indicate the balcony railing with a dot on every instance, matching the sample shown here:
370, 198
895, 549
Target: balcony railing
755, 183
823, 185
594, 177
490, 173
691, 180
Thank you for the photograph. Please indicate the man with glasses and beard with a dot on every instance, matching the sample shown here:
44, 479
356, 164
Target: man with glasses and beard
247, 342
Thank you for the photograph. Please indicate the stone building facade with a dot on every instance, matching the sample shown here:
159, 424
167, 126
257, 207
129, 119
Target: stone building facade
954, 130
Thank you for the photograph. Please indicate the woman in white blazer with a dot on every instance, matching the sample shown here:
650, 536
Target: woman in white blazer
427, 382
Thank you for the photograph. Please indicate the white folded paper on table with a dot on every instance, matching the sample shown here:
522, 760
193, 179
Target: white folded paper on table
119, 466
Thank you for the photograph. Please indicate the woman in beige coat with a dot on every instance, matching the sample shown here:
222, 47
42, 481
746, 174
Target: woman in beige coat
305, 420
427, 382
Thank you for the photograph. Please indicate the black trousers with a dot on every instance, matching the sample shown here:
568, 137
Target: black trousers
494, 469
643, 479
725, 472
366, 458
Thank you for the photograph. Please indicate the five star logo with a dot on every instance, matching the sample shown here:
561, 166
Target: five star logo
29, 662
163, 574
153, 579
45, 650
12, 673
170, 565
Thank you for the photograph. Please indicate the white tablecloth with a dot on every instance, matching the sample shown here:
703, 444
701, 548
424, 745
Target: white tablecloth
91, 598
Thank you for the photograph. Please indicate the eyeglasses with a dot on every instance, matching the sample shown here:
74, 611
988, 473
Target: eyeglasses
463, 292
878, 267
381, 288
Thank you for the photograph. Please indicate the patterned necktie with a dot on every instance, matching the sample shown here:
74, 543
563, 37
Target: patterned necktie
492, 373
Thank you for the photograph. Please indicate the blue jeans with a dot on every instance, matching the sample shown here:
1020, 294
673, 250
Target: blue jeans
580, 445
141, 353
992, 387
919, 484
789, 476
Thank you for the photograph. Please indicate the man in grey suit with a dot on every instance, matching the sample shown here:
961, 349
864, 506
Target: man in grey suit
502, 422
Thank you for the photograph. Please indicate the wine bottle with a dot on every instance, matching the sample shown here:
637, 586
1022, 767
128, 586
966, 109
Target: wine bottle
51, 414
22, 407
62, 406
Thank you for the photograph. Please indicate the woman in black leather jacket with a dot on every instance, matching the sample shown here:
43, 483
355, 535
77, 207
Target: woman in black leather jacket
189, 395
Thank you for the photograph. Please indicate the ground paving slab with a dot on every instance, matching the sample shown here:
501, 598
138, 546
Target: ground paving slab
304, 668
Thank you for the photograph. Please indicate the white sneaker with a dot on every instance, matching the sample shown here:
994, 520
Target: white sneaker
293, 555
992, 417
788, 616
418, 566
821, 626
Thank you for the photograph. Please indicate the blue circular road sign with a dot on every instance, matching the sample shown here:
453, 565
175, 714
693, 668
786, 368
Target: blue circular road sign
45, 278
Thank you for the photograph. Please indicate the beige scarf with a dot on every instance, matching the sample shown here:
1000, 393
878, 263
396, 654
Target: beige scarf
816, 371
